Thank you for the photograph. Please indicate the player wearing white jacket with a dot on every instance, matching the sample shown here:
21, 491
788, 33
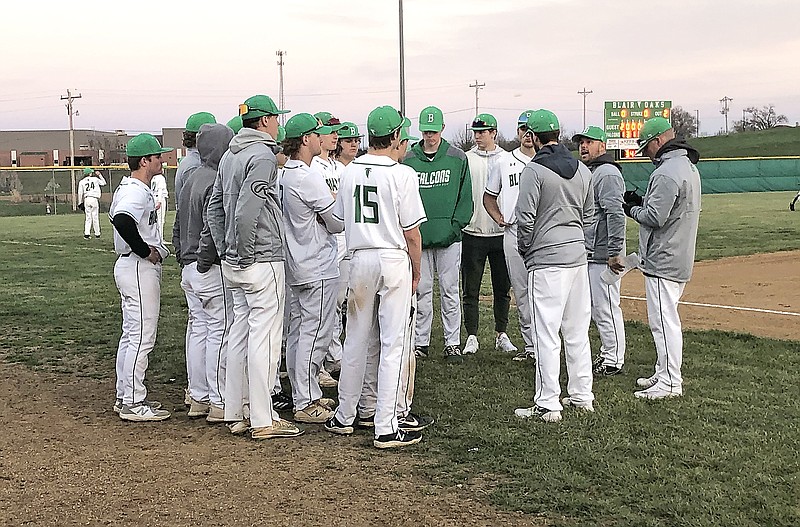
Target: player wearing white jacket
161, 194
89, 193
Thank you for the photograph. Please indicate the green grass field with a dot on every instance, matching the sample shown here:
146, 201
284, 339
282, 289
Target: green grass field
724, 454
783, 141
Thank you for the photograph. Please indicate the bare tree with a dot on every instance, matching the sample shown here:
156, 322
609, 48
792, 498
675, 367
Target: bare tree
683, 122
506, 144
463, 140
763, 118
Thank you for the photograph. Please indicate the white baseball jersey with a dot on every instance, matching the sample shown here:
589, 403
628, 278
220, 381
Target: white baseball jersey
332, 170
503, 182
378, 199
310, 249
159, 186
89, 187
135, 199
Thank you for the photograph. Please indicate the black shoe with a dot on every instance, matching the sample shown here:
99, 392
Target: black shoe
452, 354
398, 439
414, 423
523, 356
85, 236
282, 402
366, 422
597, 362
606, 371
421, 352
96, 235
334, 426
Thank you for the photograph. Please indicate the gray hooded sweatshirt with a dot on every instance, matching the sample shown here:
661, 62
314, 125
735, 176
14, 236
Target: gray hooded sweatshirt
189, 162
190, 220
669, 214
555, 202
608, 225
244, 212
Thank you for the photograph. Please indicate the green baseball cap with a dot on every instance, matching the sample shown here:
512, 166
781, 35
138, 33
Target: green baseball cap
431, 120
196, 120
594, 133
405, 136
541, 121
87, 171
328, 119
281, 134
652, 128
349, 130
235, 124
522, 120
484, 121
259, 106
384, 120
304, 124
144, 145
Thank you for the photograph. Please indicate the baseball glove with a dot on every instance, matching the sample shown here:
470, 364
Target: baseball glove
82, 207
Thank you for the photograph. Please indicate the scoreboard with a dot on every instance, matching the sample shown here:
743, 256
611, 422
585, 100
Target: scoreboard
624, 120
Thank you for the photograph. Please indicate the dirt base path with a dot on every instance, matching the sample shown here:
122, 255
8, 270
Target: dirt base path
66, 459
764, 281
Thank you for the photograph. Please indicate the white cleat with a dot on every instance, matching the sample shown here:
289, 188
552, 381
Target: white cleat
656, 392
538, 413
503, 343
471, 346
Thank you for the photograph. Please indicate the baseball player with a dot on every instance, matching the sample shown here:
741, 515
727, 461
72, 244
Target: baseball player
331, 170
500, 200
791, 204
192, 158
608, 249
137, 273
554, 204
483, 240
446, 190
161, 194
668, 216
89, 193
349, 143
244, 217
210, 302
380, 205
312, 270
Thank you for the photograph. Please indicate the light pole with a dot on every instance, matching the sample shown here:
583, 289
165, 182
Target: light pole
281, 100
402, 65
69, 98
477, 87
584, 93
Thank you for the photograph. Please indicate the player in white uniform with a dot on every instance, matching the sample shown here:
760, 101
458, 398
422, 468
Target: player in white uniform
89, 193
137, 273
331, 171
500, 200
160, 193
311, 267
380, 204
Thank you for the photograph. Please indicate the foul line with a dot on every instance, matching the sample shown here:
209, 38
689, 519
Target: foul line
734, 308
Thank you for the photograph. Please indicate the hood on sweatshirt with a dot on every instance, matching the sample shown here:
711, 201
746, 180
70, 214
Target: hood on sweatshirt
212, 142
486, 153
605, 159
677, 144
248, 137
558, 159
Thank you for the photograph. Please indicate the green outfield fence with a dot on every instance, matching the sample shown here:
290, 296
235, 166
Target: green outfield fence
719, 176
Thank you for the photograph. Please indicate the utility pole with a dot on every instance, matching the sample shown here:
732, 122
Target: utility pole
402, 66
69, 98
584, 93
477, 87
724, 111
697, 122
281, 99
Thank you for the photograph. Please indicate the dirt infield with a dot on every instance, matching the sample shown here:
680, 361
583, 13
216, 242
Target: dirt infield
66, 459
763, 281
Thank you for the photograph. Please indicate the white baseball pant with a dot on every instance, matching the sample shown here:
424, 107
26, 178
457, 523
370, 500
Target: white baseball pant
665, 324
446, 262
161, 215
607, 316
380, 295
211, 315
92, 221
255, 336
309, 338
139, 285
560, 300
335, 351
519, 283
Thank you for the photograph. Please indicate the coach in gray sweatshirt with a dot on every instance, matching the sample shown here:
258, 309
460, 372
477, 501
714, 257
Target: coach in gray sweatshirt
555, 203
668, 216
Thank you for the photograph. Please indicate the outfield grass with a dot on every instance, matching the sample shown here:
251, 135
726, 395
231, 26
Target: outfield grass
780, 141
724, 454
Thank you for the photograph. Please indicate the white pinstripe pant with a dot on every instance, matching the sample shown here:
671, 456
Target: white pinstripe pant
607, 316
665, 324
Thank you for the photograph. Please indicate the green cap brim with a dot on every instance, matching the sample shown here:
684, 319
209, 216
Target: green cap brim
480, 128
430, 128
323, 130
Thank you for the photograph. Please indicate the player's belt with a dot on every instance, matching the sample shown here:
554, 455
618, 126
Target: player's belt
124, 255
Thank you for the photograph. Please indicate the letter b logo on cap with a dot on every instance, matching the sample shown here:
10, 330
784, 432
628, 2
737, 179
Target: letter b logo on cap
430, 117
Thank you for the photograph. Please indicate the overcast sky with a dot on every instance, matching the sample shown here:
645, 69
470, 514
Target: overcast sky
144, 65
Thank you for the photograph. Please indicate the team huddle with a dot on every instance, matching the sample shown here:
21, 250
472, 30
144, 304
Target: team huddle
287, 239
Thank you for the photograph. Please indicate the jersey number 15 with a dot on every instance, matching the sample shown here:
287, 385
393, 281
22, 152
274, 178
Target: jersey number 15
366, 197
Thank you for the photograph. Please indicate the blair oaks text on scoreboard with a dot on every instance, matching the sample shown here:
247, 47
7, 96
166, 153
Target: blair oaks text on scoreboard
624, 121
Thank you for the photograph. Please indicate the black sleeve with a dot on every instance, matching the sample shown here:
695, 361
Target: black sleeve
126, 228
